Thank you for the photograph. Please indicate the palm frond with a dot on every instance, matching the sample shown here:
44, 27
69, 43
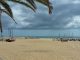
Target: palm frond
24, 3
32, 3
7, 7
47, 3
3, 10
28, 3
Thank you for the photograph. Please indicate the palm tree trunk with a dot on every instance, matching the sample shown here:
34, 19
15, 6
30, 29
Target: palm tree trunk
1, 23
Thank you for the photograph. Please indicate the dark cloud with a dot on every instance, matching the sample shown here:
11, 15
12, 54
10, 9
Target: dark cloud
61, 17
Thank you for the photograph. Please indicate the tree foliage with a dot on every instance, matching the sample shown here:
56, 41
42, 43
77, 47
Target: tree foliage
28, 3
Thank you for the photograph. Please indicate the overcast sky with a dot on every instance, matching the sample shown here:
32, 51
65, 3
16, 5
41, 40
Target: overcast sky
66, 14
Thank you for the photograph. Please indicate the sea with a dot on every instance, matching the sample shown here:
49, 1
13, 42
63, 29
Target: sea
42, 33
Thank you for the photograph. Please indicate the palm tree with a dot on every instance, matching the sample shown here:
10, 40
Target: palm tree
28, 3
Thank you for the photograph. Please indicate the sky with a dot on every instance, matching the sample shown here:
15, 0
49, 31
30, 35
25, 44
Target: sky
66, 15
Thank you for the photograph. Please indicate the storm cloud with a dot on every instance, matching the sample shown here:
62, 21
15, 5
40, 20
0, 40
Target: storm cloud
66, 14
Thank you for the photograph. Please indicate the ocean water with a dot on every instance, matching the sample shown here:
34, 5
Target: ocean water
43, 33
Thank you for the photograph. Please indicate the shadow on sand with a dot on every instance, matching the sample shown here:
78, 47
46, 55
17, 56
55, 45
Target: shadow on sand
39, 51
1, 58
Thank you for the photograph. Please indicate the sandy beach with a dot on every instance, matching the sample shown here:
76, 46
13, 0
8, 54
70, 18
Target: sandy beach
39, 49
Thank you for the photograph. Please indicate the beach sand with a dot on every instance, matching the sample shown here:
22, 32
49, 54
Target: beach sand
39, 49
